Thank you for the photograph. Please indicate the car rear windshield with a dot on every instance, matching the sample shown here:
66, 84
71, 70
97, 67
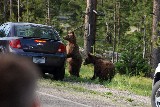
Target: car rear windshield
36, 32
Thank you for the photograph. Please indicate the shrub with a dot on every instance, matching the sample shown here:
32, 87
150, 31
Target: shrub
132, 62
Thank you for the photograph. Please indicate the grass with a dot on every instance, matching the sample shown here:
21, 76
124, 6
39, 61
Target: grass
137, 85
129, 100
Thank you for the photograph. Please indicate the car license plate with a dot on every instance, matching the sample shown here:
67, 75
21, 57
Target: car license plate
39, 60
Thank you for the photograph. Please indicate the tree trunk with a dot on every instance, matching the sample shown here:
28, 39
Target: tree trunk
115, 35
47, 12
118, 28
4, 14
10, 10
144, 36
90, 26
18, 10
27, 11
155, 33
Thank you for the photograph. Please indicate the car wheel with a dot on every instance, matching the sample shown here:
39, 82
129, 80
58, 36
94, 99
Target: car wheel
1, 50
155, 97
59, 74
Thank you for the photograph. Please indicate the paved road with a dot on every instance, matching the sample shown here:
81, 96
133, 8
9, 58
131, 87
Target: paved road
48, 100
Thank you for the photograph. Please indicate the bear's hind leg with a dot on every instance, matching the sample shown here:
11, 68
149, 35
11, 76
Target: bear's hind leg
70, 69
76, 71
94, 76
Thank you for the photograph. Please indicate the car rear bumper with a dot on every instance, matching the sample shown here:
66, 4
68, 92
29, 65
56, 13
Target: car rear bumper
51, 60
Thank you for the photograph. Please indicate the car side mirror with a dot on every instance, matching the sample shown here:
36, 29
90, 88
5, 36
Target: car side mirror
2, 34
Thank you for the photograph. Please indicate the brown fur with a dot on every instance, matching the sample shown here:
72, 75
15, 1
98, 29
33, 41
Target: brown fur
74, 58
103, 69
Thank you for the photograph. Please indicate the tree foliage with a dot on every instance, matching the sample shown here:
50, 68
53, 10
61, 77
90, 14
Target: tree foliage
131, 61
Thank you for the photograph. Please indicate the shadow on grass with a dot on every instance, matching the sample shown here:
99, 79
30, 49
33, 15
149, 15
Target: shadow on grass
74, 79
86, 74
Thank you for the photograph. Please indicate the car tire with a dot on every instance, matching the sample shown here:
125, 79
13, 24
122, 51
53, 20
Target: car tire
155, 90
59, 74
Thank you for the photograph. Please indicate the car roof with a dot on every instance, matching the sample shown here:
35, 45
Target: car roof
26, 23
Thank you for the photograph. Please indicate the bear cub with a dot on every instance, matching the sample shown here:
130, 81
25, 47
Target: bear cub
103, 69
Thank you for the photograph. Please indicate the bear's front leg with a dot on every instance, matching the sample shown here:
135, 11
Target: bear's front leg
95, 75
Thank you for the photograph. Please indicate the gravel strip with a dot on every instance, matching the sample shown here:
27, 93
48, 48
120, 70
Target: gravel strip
112, 98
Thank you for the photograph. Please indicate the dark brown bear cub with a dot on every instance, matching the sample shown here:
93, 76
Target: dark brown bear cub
73, 55
103, 69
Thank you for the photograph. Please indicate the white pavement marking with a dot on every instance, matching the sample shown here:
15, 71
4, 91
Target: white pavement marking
62, 99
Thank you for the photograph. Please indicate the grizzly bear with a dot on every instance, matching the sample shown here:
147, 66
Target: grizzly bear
103, 69
74, 58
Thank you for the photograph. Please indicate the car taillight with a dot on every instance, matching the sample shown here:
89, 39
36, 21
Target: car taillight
15, 43
62, 48
40, 41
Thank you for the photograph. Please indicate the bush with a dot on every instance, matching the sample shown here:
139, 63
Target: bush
132, 63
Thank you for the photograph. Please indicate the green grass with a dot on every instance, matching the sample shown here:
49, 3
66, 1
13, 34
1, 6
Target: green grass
135, 84
129, 100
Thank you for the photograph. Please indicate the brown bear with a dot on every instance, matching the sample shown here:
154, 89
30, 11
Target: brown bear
74, 58
103, 69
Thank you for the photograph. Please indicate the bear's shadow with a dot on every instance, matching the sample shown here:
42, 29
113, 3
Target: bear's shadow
74, 79
86, 80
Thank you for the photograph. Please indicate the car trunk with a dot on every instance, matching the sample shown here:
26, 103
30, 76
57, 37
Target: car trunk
39, 45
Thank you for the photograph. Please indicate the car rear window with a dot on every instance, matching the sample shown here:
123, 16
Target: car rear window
36, 31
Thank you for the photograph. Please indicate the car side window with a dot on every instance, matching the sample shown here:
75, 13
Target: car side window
2, 33
7, 29
56, 34
1, 27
